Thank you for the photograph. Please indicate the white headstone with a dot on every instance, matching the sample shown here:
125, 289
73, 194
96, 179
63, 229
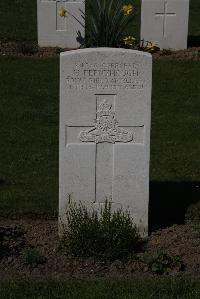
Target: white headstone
105, 109
165, 22
57, 31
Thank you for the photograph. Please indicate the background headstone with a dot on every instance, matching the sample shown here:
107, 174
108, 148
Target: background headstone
57, 31
165, 22
105, 109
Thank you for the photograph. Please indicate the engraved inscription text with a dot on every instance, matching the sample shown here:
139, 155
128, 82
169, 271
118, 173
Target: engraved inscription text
105, 76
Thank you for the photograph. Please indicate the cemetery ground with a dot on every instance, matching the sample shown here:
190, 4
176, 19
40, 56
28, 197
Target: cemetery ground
29, 178
30, 253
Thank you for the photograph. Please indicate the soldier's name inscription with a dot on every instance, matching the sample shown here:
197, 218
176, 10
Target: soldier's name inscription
105, 76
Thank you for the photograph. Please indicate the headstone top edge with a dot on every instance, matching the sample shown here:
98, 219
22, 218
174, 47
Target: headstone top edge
106, 50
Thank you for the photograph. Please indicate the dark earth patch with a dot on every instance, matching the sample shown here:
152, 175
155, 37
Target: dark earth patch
33, 249
32, 49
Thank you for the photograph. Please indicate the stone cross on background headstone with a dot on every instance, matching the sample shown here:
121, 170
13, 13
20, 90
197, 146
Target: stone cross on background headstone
165, 14
61, 22
165, 22
57, 31
105, 100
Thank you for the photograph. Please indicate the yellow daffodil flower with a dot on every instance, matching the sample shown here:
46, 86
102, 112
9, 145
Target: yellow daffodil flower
128, 9
129, 40
62, 12
152, 46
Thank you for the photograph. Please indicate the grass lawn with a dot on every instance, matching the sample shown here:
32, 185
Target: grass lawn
29, 93
175, 121
102, 289
18, 20
29, 133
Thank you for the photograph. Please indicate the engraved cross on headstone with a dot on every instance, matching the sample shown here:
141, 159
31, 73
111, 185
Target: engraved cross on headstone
165, 14
61, 22
105, 134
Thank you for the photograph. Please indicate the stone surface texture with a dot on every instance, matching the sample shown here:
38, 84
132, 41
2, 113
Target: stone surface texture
105, 109
165, 22
57, 31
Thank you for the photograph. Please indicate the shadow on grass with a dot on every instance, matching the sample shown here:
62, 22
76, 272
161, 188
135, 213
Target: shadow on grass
169, 201
194, 41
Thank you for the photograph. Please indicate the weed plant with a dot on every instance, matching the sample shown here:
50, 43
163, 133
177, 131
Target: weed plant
33, 258
105, 234
162, 263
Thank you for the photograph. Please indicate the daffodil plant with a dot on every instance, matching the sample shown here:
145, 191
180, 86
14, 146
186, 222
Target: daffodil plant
148, 46
130, 42
107, 23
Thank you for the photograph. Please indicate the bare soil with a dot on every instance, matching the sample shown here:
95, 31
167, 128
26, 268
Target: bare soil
32, 49
19, 236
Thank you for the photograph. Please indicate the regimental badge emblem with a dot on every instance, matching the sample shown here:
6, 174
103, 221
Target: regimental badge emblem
106, 127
